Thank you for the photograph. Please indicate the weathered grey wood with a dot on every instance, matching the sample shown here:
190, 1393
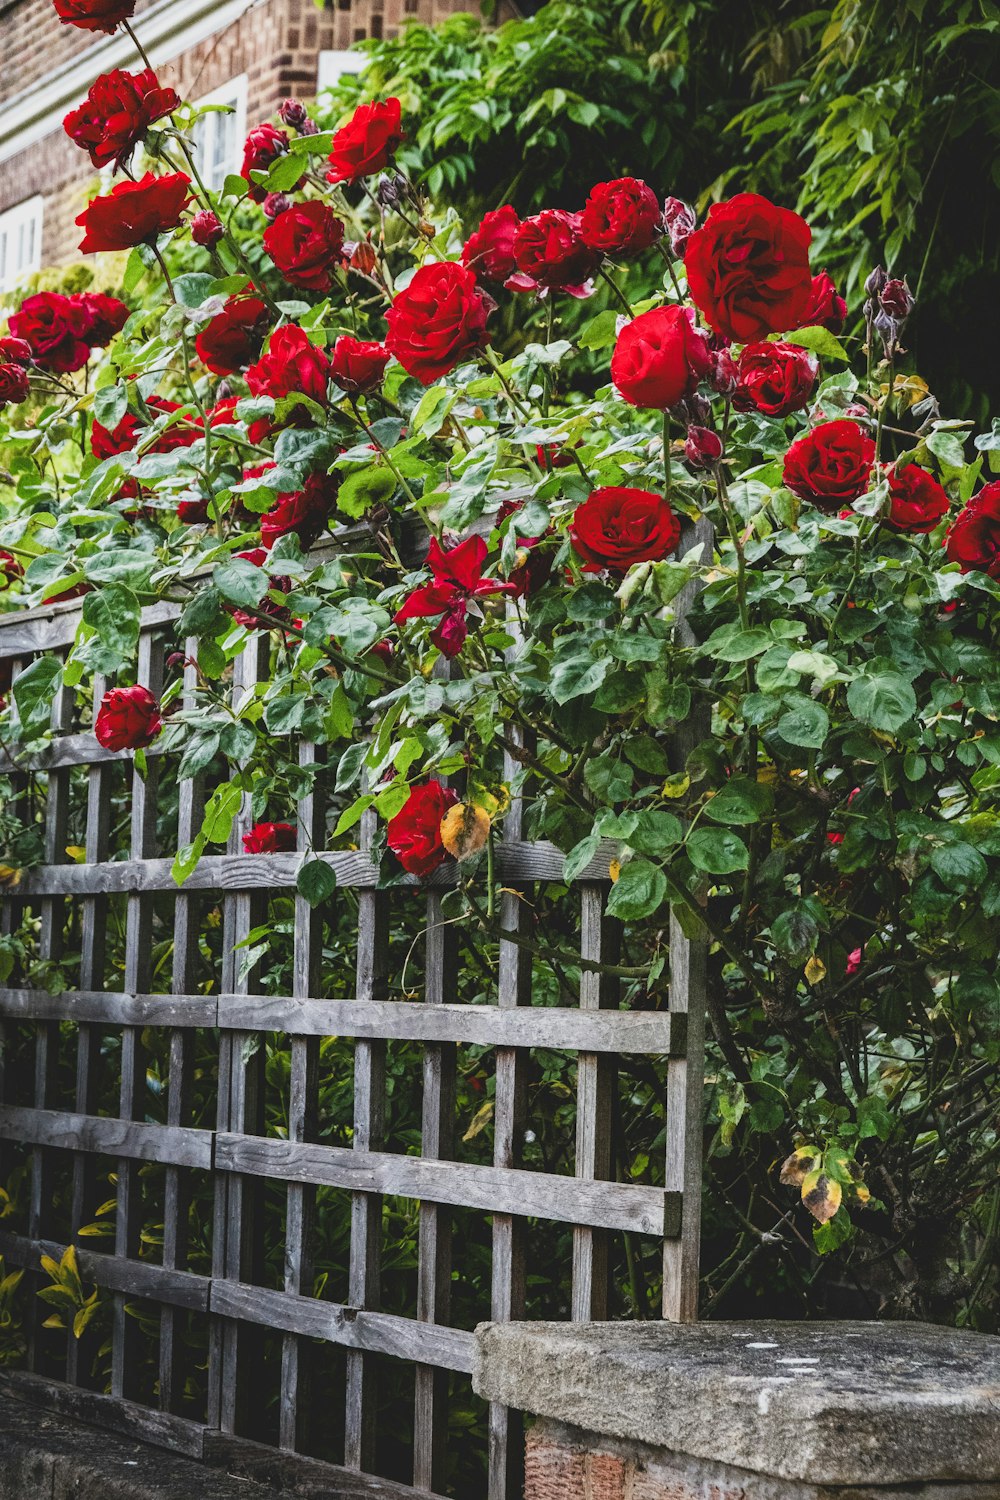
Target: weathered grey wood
270, 872
110, 1008
110, 1412
430, 1424
65, 751
136, 1277
268, 1469
558, 1028
374, 1332
176, 1185
302, 1107
364, 1279
596, 1077
125, 1331
131, 1139
542, 1195
53, 627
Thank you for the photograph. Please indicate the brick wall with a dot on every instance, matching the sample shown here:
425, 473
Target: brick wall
276, 43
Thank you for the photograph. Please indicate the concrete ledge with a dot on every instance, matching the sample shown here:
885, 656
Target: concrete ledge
825, 1404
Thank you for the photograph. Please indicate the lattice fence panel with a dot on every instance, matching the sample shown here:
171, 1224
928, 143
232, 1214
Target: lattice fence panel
206, 1348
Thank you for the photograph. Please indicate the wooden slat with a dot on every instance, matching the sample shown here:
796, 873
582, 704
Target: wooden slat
364, 1283
110, 1008
110, 1412
542, 1195
130, 1139
372, 1332
271, 1471
135, 1277
65, 751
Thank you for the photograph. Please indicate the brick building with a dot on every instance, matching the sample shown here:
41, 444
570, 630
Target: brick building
247, 54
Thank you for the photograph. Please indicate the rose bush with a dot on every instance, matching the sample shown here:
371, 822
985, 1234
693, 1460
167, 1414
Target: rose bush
732, 613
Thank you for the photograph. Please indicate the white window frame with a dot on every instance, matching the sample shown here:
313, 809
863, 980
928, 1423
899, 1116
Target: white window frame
21, 241
233, 93
333, 65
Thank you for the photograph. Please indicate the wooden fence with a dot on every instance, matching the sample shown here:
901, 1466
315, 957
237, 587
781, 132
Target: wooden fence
236, 1304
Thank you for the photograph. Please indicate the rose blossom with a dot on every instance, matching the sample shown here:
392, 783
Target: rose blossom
116, 114
15, 351
489, 250
826, 307
457, 575
103, 317
14, 387
134, 213
357, 366
974, 539
414, 834
60, 330
94, 15
620, 218
232, 339
437, 320
550, 253
293, 365
680, 222
831, 465
775, 379
916, 500
10, 569
617, 526
270, 838
128, 719
748, 268
305, 243
304, 511
367, 143
659, 358
264, 144
206, 228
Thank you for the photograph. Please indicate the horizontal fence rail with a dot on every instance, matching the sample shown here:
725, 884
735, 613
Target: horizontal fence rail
92, 1147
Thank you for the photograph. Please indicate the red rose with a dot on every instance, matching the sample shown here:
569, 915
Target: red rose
680, 221
10, 568
414, 834
550, 252
14, 387
206, 228
233, 337
620, 217
270, 838
305, 243
775, 379
103, 317
702, 447
831, 465
134, 213
52, 326
357, 366
291, 366
457, 576
748, 268
116, 114
437, 321
367, 143
616, 527
489, 250
916, 500
128, 719
660, 357
305, 512
15, 352
974, 539
263, 145
105, 444
826, 308
94, 15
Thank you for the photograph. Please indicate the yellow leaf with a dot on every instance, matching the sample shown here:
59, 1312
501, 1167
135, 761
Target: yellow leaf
54, 1322
862, 1192
464, 830
615, 869
794, 1168
815, 970
77, 853
480, 1120
10, 876
677, 785
821, 1195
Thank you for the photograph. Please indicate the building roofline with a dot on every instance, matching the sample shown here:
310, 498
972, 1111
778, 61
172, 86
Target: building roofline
169, 27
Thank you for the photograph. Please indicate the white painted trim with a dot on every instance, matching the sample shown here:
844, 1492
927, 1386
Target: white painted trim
333, 64
234, 94
167, 29
28, 211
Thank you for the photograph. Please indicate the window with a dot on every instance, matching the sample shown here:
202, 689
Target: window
219, 136
20, 242
333, 66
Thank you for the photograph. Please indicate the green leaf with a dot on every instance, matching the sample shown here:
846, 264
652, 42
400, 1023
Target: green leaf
874, 1118
113, 614
350, 765
600, 332
580, 855
959, 866
111, 404
885, 701
364, 489
193, 288
241, 582
284, 174
608, 778
806, 724
574, 676
316, 881
220, 810
795, 934
730, 643
34, 693
638, 892
740, 801
717, 851
819, 340
655, 832
352, 815
186, 859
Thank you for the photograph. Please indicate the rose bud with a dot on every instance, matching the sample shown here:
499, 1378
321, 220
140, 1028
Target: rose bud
262, 147
14, 386
896, 300
270, 838
383, 650
128, 719
390, 190
827, 308
15, 351
357, 366
875, 282
702, 448
206, 229
275, 204
680, 222
292, 113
